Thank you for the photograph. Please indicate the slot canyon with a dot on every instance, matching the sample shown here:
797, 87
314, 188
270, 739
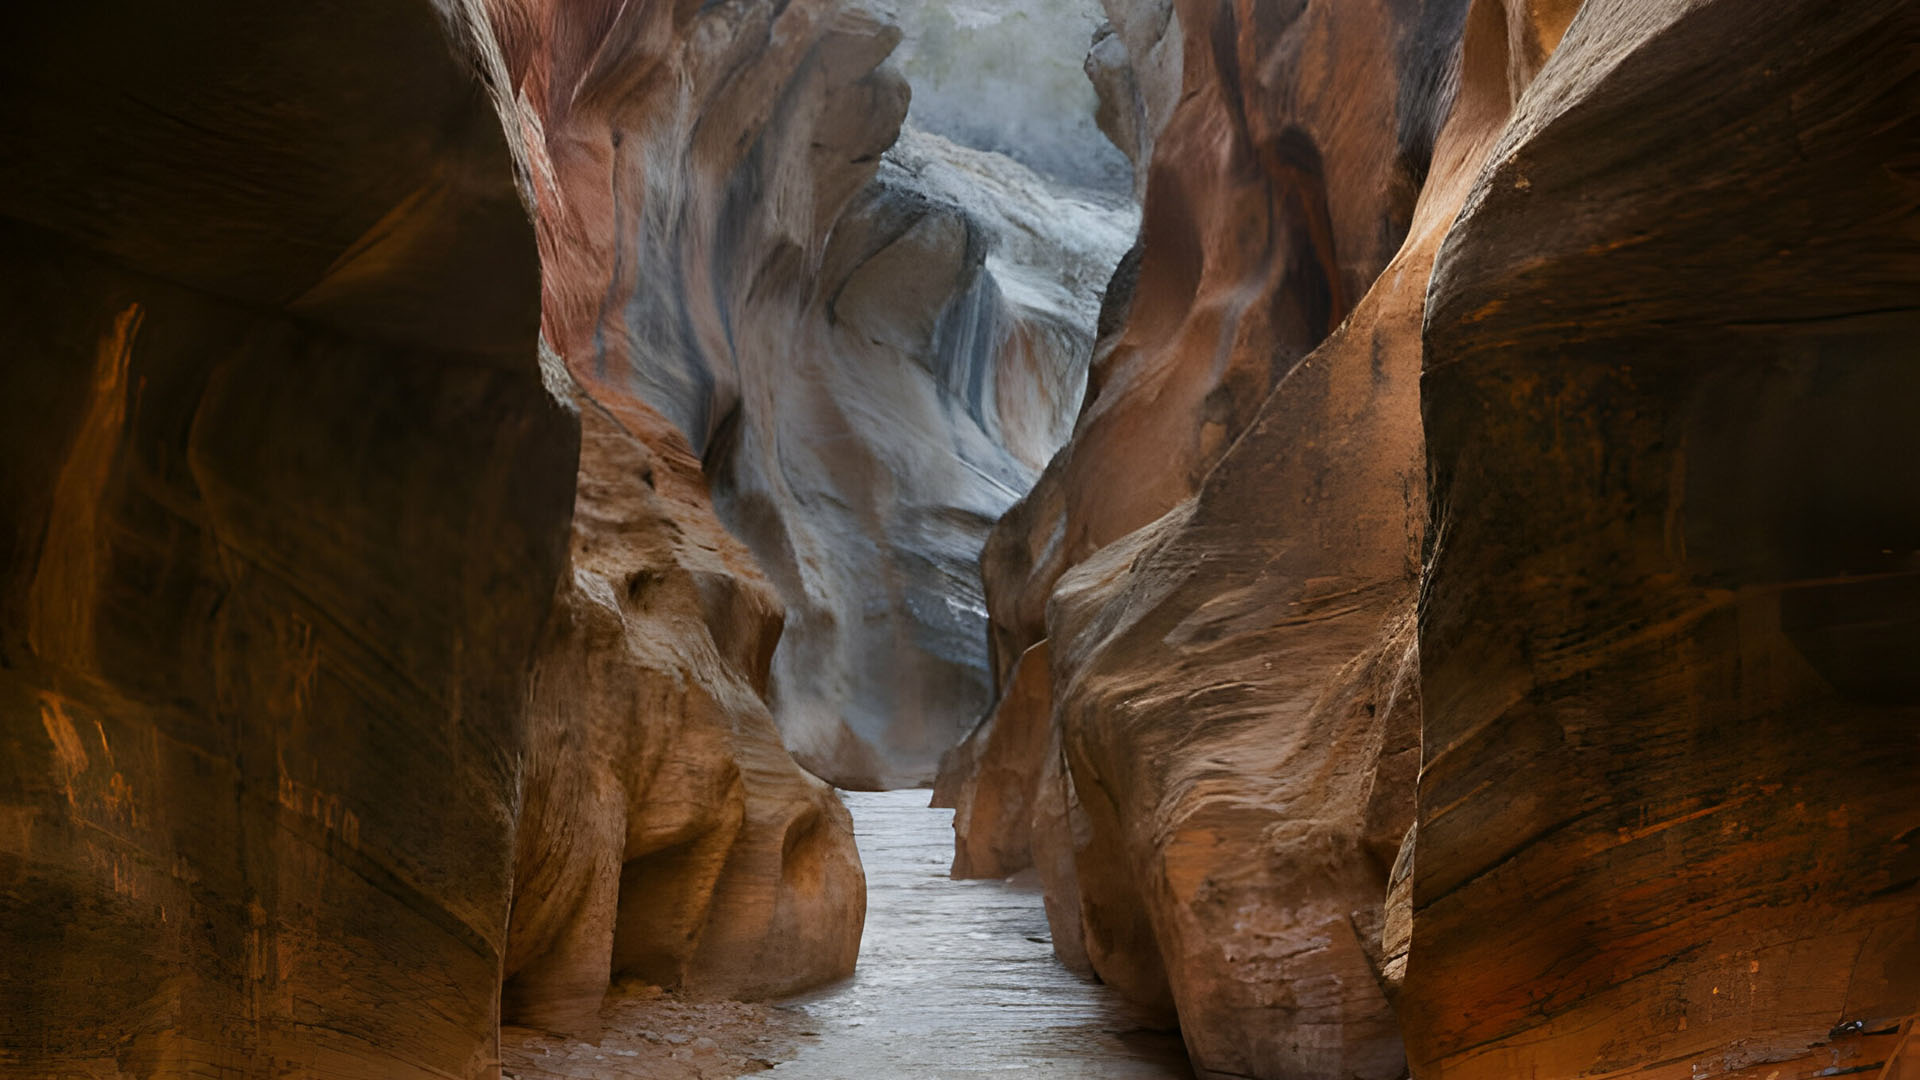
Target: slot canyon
933, 539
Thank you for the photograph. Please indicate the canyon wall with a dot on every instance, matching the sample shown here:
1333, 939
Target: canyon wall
667, 834
283, 506
1668, 824
327, 703
873, 351
1007, 77
1216, 577
1656, 723
348, 679
1134, 65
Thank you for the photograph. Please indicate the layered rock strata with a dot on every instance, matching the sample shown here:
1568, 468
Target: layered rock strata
1667, 821
1232, 688
283, 505
872, 350
1217, 776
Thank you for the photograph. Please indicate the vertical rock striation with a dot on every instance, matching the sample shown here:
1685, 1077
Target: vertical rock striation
1667, 818
667, 835
283, 503
1232, 686
872, 351
1664, 817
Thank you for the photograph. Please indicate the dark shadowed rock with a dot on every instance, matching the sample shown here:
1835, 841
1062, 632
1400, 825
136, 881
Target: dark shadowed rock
1667, 813
283, 503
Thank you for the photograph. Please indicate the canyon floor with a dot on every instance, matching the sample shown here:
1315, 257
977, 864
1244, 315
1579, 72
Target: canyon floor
957, 979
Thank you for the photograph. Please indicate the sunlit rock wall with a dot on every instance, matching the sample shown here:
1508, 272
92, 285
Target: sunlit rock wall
283, 505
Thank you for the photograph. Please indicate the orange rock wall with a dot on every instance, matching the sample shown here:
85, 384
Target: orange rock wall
304, 697
283, 505
667, 835
1197, 725
1243, 718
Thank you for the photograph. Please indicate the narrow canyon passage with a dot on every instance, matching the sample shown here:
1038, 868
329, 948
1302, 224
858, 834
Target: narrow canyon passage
958, 979
1394, 525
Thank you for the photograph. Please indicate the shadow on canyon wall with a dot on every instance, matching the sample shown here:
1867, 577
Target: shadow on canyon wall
466, 462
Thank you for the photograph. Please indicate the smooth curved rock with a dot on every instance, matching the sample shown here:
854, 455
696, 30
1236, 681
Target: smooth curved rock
997, 769
666, 834
1240, 693
1232, 683
950, 331
1667, 819
1665, 825
283, 504
1006, 76
871, 357
1281, 185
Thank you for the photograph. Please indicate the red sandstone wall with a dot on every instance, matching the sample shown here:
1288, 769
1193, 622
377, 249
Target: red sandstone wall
1655, 697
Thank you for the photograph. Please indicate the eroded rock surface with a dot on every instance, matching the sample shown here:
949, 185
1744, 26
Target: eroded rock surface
1667, 819
1228, 743
288, 493
1231, 687
667, 835
1134, 66
871, 357
1006, 77
283, 504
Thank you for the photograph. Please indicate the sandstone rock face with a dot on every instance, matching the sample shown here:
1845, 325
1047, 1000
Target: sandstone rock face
1280, 187
1233, 686
1665, 823
1238, 682
666, 833
1006, 76
288, 491
283, 505
872, 357
1667, 817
